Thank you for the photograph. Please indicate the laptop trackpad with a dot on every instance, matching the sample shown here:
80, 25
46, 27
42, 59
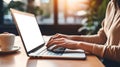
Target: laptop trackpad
74, 53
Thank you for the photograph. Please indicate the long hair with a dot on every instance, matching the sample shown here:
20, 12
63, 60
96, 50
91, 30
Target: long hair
117, 3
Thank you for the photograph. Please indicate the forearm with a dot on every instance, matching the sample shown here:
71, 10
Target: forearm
93, 48
103, 51
89, 38
85, 46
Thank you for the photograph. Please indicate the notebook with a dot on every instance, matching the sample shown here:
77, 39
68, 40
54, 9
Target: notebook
33, 41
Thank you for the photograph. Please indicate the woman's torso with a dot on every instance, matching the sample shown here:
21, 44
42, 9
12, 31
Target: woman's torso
112, 25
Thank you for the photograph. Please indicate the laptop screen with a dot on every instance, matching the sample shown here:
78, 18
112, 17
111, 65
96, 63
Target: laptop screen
29, 30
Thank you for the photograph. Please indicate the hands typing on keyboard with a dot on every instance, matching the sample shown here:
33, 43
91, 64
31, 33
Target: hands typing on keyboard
54, 48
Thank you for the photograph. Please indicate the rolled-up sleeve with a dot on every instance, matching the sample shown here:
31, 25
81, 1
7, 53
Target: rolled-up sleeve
109, 52
112, 52
99, 50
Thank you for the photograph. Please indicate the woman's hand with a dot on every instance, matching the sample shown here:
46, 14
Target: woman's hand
59, 36
63, 42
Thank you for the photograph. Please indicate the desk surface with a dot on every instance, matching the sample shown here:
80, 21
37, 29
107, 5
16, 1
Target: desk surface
20, 59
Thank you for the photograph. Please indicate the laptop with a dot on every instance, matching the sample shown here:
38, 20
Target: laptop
33, 41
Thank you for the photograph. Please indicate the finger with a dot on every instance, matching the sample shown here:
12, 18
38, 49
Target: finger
61, 45
53, 42
57, 36
53, 36
49, 43
51, 39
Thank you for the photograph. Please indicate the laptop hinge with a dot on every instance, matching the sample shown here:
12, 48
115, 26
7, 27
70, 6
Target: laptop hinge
35, 49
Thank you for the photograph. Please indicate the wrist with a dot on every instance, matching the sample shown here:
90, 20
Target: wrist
78, 46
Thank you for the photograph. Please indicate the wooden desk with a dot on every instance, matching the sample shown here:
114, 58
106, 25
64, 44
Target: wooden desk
20, 59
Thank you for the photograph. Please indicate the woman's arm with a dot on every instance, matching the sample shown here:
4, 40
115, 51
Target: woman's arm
109, 52
96, 49
99, 38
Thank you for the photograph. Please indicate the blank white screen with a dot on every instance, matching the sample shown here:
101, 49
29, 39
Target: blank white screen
29, 30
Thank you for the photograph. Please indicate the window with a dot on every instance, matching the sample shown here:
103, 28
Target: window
8, 4
49, 12
43, 9
72, 11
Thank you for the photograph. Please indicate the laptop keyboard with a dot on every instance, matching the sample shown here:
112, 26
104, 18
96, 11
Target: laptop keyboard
46, 52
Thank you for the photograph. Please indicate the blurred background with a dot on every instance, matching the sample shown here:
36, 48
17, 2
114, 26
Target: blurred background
57, 16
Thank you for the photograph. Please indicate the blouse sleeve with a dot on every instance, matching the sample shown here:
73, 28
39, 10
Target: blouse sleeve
112, 52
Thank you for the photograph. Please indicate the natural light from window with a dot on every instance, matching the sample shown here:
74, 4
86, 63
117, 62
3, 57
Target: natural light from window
69, 11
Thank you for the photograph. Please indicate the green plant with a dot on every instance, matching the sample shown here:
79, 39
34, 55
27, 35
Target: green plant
96, 15
14, 4
17, 5
101, 10
38, 11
